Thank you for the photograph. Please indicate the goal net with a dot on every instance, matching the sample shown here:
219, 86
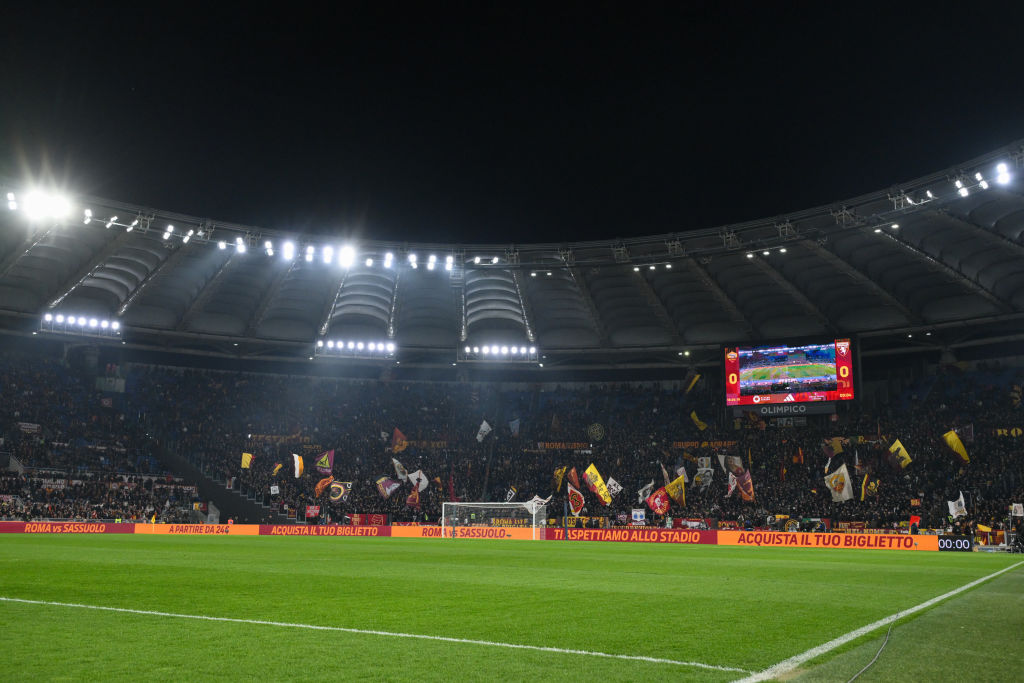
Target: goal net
525, 515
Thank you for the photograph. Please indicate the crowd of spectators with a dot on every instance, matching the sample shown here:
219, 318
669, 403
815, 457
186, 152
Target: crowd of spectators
627, 431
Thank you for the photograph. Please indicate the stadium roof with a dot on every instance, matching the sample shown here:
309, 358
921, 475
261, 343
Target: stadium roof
937, 253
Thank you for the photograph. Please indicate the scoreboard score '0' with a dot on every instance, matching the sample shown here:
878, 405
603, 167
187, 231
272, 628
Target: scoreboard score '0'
780, 373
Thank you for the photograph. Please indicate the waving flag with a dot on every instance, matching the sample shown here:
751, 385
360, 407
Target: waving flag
614, 487
419, 480
658, 501
482, 433
574, 478
398, 441
956, 445
246, 461
701, 425
325, 463
596, 484
413, 500
321, 485
957, 508
900, 453
677, 491
277, 468
576, 501
510, 494
400, 470
297, 465
387, 486
339, 491
840, 485
642, 494
559, 476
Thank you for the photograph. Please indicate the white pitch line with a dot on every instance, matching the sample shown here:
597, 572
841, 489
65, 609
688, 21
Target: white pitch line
391, 634
788, 665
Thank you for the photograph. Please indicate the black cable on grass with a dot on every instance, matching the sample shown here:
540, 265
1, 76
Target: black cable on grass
873, 659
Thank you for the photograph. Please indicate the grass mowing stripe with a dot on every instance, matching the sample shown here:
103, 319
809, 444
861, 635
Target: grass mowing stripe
390, 634
788, 665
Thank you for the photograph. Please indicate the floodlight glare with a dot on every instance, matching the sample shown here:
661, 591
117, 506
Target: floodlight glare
309, 254
40, 205
782, 250
963, 192
1002, 175
476, 349
668, 266
351, 345
93, 322
651, 267
522, 350
115, 325
514, 350
10, 195
347, 256
533, 274
959, 183
170, 228
60, 317
391, 347
81, 321
486, 350
449, 259
71, 320
467, 349
895, 226
977, 176
329, 254
359, 346
476, 259
504, 350
222, 245
369, 262
412, 258
432, 259
533, 349
48, 317
186, 238
929, 194
749, 255
494, 260
636, 269
288, 251
167, 235
105, 324
764, 253
430, 265
984, 184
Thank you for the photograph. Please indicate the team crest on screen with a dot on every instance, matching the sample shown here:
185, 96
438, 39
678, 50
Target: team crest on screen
843, 347
731, 355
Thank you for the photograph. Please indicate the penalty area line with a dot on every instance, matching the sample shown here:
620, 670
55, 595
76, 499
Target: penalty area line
387, 634
788, 665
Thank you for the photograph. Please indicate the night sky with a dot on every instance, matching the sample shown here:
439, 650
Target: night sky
502, 121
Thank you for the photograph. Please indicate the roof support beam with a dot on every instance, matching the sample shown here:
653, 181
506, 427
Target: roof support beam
330, 304
394, 306
659, 307
164, 266
588, 298
782, 281
1002, 240
71, 284
27, 244
204, 293
949, 271
523, 306
853, 273
723, 298
268, 296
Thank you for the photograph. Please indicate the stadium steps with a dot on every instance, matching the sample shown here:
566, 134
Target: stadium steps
230, 503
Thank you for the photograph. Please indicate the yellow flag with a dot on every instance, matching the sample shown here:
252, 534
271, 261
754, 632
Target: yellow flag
597, 484
697, 421
902, 456
982, 528
956, 445
689, 387
677, 490
559, 476
246, 460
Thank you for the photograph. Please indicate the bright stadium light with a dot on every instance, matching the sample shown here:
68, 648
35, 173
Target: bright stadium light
71, 320
750, 255
636, 269
533, 349
104, 324
328, 253
983, 184
494, 260
81, 321
895, 226
514, 350
476, 260
222, 245
240, 245
347, 256
504, 350
41, 205
93, 322
60, 317
391, 347
49, 316
369, 262
476, 349
764, 253
467, 349
87, 218
288, 251
963, 192
359, 346
1002, 174
351, 345
486, 349
928, 193
115, 325
412, 258
310, 250
668, 266
978, 176
522, 350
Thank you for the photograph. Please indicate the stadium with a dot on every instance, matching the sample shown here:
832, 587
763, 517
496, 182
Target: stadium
784, 448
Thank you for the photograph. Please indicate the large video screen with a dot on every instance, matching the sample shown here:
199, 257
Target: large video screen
788, 374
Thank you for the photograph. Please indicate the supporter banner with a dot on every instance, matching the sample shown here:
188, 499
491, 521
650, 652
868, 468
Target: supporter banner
419, 443
635, 535
325, 530
1008, 431
199, 529
561, 445
29, 427
703, 444
359, 519
502, 533
278, 438
65, 528
808, 540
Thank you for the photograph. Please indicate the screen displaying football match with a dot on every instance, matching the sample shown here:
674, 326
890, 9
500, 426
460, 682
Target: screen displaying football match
788, 374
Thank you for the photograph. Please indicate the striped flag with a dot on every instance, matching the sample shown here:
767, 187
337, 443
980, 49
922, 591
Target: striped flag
298, 465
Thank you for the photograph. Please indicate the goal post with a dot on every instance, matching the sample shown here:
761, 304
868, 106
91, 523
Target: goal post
524, 515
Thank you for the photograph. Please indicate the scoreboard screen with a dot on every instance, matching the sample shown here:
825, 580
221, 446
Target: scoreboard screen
757, 375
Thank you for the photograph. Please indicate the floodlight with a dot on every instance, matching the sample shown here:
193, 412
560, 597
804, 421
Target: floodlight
329, 254
10, 195
186, 238
959, 183
222, 245
636, 269
668, 266
170, 228
449, 259
105, 324
895, 226
347, 256
351, 345
749, 255
533, 274
359, 346
88, 216
369, 262
81, 321
93, 322
60, 317
984, 184
476, 349
963, 192
514, 350
504, 350
115, 325
48, 317
652, 267
533, 349
12, 205
782, 250
309, 253
467, 349
320, 343
288, 251
549, 273
522, 349
167, 235
40, 205
764, 253
878, 230
486, 349
71, 320
494, 260
388, 257
1002, 174
391, 347
929, 194
977, 176
476, 259
432, 259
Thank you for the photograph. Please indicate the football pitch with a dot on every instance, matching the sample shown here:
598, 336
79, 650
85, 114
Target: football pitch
229, 608
789, 372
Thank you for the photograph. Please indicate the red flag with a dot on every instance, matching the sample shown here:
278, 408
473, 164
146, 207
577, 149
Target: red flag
658, 501
915, 519
573, 478
398, 441
576, 500
321, 485
451, 488
413, 500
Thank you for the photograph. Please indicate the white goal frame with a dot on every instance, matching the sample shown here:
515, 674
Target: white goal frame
537, 512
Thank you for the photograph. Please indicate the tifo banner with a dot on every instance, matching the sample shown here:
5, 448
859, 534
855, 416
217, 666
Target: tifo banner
703, 444
804, 540
634, 535
561, 445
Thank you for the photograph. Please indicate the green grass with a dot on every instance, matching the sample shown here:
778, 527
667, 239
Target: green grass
736, 607
789, 371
